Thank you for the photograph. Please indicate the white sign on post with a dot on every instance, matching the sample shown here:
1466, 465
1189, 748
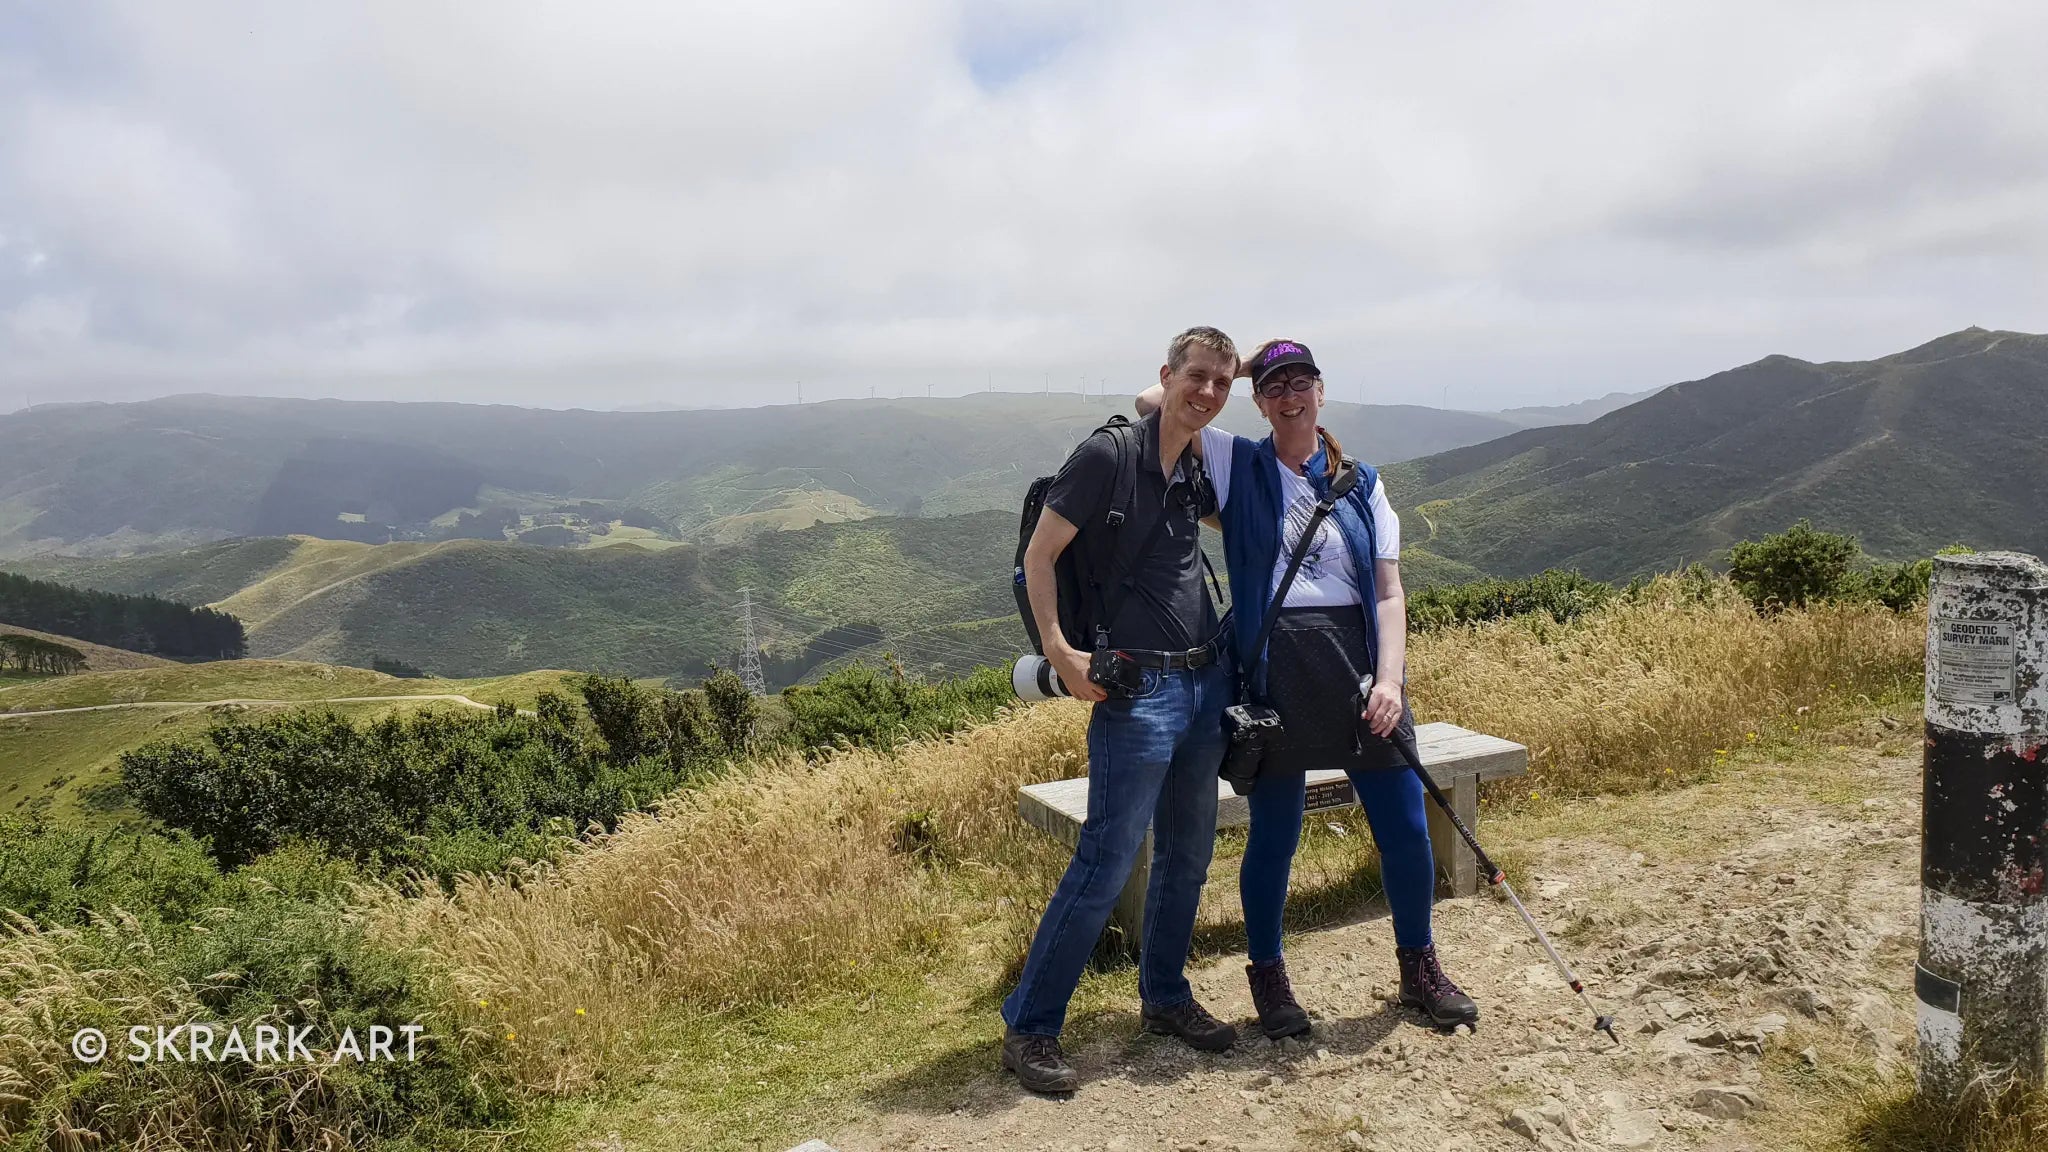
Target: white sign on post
1974, 661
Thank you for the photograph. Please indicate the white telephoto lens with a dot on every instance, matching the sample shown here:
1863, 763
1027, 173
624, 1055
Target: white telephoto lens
1033, 678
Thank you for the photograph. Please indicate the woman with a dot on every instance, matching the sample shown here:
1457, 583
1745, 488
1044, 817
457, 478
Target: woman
1345, 617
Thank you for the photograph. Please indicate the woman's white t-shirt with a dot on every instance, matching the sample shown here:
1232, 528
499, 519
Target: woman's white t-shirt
1325, 578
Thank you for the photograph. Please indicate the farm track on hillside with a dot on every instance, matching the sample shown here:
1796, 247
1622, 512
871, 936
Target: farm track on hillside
447, 697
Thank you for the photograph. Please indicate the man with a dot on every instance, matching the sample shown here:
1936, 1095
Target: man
1153, 752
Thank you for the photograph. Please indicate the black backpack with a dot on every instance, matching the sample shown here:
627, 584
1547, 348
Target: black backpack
1079, 600
1083, 600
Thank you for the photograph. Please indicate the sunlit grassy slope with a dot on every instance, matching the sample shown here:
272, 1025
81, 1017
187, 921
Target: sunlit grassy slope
65, 763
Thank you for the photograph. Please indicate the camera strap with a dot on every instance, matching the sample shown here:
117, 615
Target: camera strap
1123, 577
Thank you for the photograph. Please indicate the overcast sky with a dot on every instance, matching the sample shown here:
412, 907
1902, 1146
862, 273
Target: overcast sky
596, 204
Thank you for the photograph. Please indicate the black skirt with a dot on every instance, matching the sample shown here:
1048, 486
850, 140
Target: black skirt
1315, 659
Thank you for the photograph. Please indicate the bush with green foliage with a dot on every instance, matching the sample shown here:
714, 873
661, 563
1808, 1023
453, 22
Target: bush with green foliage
732, 710
1793, 568
144, 929
1562, 595
868, 707
1803, 565
441, 792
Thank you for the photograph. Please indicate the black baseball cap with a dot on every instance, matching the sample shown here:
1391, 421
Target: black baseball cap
1278, 355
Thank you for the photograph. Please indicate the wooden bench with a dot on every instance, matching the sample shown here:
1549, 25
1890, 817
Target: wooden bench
1459, 760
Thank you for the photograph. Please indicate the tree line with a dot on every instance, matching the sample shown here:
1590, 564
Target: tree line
137, 623
35, 654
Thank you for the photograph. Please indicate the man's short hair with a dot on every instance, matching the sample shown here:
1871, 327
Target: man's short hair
1210, 338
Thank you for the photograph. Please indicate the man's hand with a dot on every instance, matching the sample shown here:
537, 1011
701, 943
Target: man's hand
1244, 363
1072, 665
1054, 533
1382, 708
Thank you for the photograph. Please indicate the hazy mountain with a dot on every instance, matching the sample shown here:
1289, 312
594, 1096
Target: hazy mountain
1942, 443
123, 478
1545, 415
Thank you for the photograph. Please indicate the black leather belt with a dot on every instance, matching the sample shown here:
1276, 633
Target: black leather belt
1171, 661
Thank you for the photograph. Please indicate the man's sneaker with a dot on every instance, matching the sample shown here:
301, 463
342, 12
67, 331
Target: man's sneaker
1424, 986
1192, 1023
1280, 1015
1038, 1062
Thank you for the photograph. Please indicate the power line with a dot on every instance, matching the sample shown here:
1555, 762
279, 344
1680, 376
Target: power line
750, 650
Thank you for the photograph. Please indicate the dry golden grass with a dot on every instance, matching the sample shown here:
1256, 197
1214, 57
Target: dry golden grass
793, 880
1640, 690
64, 979
758, 891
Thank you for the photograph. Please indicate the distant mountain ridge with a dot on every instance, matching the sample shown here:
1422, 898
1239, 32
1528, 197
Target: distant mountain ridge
112, 479
1941, 443
1585, 411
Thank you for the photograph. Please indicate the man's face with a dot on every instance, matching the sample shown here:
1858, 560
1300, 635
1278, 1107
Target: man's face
1196, 391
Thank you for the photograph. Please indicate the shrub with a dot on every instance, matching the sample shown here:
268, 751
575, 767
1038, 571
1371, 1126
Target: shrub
1561, 595
440, 791
61, 876
144, 930
398, 668
867, 707
1793, 568
733, 710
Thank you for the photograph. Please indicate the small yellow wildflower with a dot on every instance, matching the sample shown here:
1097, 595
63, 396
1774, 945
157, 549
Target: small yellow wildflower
579, 1011
1752, 737
511, 1035
1720, 751
483, 1003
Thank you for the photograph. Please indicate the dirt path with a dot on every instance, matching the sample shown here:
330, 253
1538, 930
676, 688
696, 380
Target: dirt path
1728, 926
447, 697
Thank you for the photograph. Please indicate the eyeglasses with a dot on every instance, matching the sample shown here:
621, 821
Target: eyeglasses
1274, 389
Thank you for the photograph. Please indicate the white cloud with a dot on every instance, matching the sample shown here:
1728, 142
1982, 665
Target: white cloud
588, 204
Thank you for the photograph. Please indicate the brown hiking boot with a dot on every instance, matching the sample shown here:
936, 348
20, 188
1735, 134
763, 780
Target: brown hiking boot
1424, 986
1191, 1022
1039, 1063
1280, 1015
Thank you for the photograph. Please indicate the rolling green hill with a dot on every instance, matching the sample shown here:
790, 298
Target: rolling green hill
1942, 443
934, 591
117, 479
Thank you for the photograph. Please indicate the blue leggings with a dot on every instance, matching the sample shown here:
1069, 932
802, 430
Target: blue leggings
1392, 799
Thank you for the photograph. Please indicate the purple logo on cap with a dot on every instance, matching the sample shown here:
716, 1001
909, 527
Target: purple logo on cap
1283, 348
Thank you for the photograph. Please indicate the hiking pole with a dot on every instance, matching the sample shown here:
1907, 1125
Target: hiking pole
1494, 876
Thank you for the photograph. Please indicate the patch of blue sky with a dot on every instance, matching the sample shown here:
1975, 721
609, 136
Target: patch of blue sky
1004, 43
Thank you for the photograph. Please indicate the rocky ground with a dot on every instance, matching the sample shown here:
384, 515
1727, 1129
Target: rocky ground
1745, 933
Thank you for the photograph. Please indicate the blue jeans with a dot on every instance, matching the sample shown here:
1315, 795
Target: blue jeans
1392, 799
1151, 760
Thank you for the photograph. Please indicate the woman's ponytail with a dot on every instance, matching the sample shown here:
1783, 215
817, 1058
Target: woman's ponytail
1333, 452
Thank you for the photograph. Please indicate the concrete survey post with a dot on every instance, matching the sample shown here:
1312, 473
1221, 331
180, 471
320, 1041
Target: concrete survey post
1982, 980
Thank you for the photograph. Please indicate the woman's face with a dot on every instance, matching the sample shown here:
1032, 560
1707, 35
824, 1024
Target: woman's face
1299, 404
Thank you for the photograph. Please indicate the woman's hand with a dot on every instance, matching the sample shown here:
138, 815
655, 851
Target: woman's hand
1382, 708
